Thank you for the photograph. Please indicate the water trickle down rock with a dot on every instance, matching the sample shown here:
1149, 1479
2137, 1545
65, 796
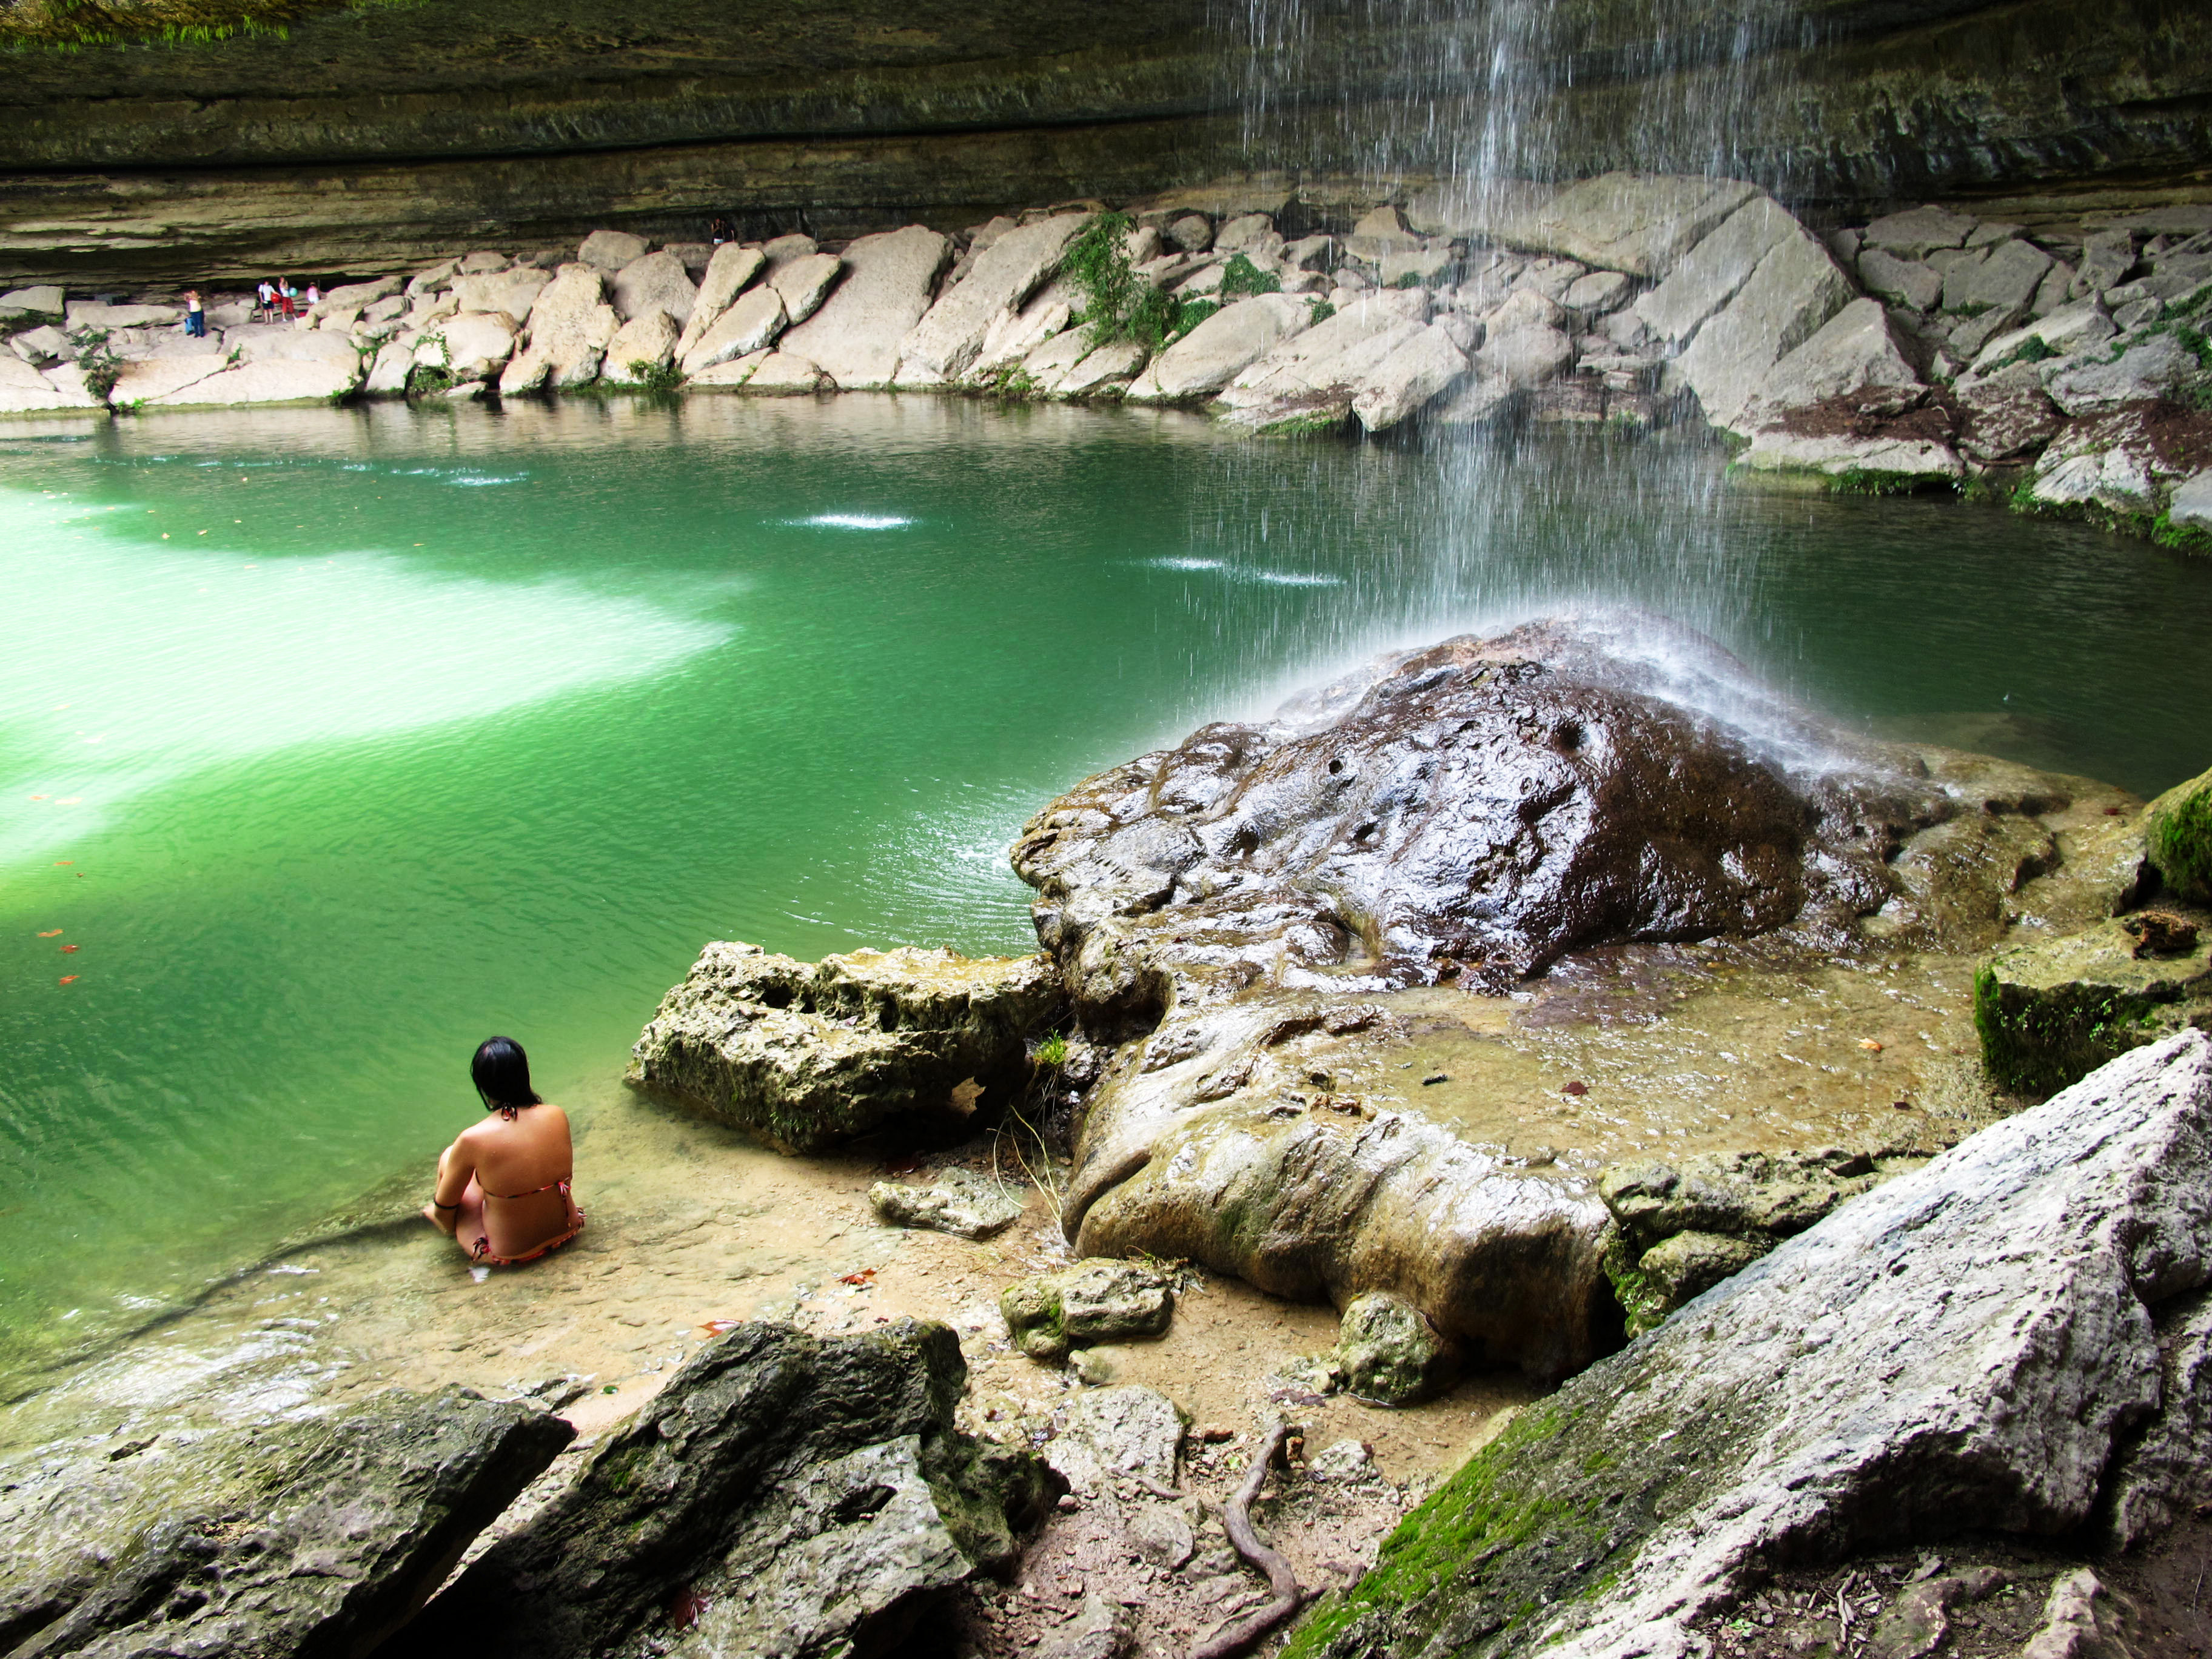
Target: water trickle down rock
782, 1495
806, 1056
1468, 814
1892, 1376
318, 1536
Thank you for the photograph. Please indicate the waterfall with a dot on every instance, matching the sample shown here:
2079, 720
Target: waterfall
1473, 104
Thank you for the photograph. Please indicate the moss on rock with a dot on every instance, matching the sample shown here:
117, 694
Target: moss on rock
2179, 826
2052, 1011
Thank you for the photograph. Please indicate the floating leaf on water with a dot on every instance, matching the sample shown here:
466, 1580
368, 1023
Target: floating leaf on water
51, 933
69, 979
66, 949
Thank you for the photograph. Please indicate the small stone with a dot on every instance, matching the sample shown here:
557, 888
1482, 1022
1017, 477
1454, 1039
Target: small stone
1098, 1300
1160, 1534
1390, 1353
957, 1202
1342, 1459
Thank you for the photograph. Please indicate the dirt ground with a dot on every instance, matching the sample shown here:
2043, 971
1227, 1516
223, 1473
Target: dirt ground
2163, 1587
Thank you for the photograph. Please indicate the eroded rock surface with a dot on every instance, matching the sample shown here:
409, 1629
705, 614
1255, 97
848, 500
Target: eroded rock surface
1896, 1373
956, 1202
1094, 1301
303, 1538
1468, 816
805, 1055
783, 1495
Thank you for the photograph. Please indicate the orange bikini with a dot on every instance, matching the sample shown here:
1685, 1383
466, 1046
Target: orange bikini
483, 1250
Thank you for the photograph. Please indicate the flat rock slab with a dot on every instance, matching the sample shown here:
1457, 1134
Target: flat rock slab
304, 1538
888, 282
1973, 1345
966, 1205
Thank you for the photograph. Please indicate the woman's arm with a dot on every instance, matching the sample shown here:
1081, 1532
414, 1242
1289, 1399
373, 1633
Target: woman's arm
455, 1165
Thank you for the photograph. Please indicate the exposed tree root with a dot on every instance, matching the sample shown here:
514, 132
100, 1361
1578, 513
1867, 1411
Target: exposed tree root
1238, 1517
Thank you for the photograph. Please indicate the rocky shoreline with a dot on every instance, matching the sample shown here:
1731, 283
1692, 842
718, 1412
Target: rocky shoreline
2062, 369
1798, 1275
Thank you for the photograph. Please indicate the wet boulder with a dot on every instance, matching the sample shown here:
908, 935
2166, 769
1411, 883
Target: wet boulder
1678, 1230
1094, 1301
1889, 1377
2051, 1010
1386, 1350
2177, 829
782, 1495
309, 1538
808, 1055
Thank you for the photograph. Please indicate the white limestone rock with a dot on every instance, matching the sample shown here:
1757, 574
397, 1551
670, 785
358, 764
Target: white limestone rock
608, 251
41, 346
655, 282
781, 250
41, 302
1049, 365
729, 273
1639, 223
1193, 232
805, 283
514, 292
357, 296
268, 380
1705, 278
1112, 366
1214, 353
1596, 293
1250, 230
1311, 379
1001, 280
2003, 280
1895, 460
91, 313
25, 391
2114, 461
1411, 378
1796, 288
1904, 282
571, 325
477, 343
483, 259
2150, 369
1524, 354
641, 346
284, 345
2192, 505
387, 375
1854, 355
431, 279
1964, 1348
1116, 1432
888, 282
2005, 415
786, 373
1018, 333
155, 378
1918, 232
747, 326
729, 376
2068, 330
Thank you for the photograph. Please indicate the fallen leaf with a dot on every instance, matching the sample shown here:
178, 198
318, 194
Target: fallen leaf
716, 1327
860, 1278
51, 933
69, 979
1870, 1045
66, 949
1576, 1088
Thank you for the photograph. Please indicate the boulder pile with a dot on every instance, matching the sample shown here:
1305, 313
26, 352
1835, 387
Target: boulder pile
2064, 369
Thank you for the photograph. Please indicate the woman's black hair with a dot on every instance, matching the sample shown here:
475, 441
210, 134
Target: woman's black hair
500, 1072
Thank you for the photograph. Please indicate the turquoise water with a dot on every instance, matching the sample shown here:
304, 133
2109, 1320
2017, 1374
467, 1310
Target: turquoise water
336, 740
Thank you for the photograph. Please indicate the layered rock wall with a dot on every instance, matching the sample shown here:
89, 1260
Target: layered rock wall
370, 132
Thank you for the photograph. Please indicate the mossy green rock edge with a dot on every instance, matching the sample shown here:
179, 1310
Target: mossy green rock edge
2177, 826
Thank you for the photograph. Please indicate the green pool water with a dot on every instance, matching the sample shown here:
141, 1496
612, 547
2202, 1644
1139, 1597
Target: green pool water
336, 740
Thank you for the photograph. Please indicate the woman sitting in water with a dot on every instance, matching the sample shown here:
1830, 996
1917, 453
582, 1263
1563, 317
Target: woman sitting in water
502, 1189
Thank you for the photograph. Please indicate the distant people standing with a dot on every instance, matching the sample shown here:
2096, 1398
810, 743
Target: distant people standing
287, 298
267, 294
314, 295
720, 232
195, 315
